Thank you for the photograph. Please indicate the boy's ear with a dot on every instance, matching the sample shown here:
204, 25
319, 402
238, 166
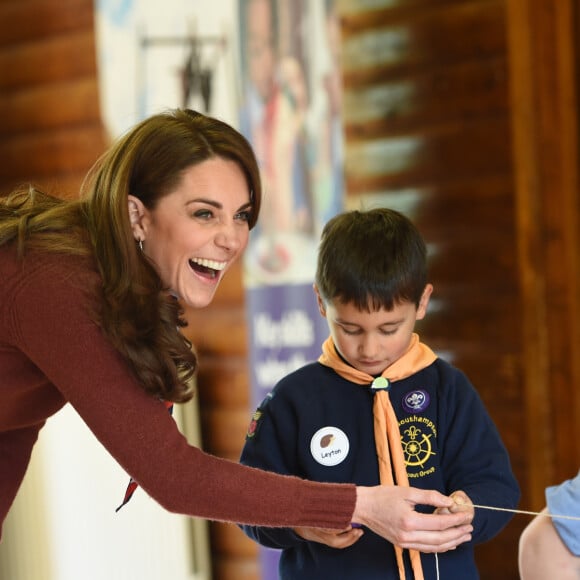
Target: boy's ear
424, 302
319, 301
137, 213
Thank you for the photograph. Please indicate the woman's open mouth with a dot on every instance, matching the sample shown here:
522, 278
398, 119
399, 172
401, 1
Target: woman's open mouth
207, 268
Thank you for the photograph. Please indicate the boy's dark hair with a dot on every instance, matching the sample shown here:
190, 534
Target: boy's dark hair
373, 259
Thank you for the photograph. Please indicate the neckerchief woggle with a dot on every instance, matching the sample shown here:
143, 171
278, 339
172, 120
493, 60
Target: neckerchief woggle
386, 427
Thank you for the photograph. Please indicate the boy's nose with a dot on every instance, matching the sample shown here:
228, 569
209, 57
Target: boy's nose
368, 347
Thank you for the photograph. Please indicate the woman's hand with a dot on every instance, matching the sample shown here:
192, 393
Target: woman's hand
389, 511
335, 539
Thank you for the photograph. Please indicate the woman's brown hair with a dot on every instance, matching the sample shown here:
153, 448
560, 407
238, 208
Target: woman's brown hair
136, 313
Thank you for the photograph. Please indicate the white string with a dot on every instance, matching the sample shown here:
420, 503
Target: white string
500, 509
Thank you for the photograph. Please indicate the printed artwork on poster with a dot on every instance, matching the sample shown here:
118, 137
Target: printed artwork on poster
290, 112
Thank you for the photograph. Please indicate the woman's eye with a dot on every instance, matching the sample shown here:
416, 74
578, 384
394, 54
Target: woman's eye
244, 216
203, 214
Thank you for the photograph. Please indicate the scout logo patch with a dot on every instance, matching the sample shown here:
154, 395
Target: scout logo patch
416, 401
329, 446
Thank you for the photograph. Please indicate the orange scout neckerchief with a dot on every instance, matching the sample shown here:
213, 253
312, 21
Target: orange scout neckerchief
387, 434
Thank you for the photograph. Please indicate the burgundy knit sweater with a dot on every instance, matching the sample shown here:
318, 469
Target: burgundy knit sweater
52, 353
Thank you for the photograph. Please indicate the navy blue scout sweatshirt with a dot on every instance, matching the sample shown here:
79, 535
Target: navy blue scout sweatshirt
319, 426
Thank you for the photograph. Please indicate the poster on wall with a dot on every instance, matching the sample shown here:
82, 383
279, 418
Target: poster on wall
290, 112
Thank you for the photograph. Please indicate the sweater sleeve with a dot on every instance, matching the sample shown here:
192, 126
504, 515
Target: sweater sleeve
267, 448
475, 458
52, 326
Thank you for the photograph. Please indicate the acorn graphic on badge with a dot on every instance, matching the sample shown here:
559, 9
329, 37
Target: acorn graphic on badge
329, 446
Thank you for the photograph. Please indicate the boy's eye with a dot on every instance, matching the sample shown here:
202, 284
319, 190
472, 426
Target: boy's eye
388, 332
351, 332
356, 331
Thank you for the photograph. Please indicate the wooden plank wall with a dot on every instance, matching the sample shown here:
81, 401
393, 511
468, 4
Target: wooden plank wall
544, 41
50, 129
436, 97
463, 114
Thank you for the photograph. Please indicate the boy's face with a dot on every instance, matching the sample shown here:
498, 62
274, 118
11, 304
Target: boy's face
372, 341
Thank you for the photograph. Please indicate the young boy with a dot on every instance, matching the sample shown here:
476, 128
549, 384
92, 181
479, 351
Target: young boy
332, 420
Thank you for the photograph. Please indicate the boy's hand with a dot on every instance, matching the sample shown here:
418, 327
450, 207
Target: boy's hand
333, 538
462, 504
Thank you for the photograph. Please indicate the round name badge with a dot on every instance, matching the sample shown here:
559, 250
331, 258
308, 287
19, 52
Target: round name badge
329, 446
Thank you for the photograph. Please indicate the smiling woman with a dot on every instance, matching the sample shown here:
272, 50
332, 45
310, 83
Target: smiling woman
91, 311
194, 233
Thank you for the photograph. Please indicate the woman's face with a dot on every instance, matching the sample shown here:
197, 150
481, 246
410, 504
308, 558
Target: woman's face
196, 232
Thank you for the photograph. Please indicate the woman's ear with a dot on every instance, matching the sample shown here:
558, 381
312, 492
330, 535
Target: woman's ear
137, 214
